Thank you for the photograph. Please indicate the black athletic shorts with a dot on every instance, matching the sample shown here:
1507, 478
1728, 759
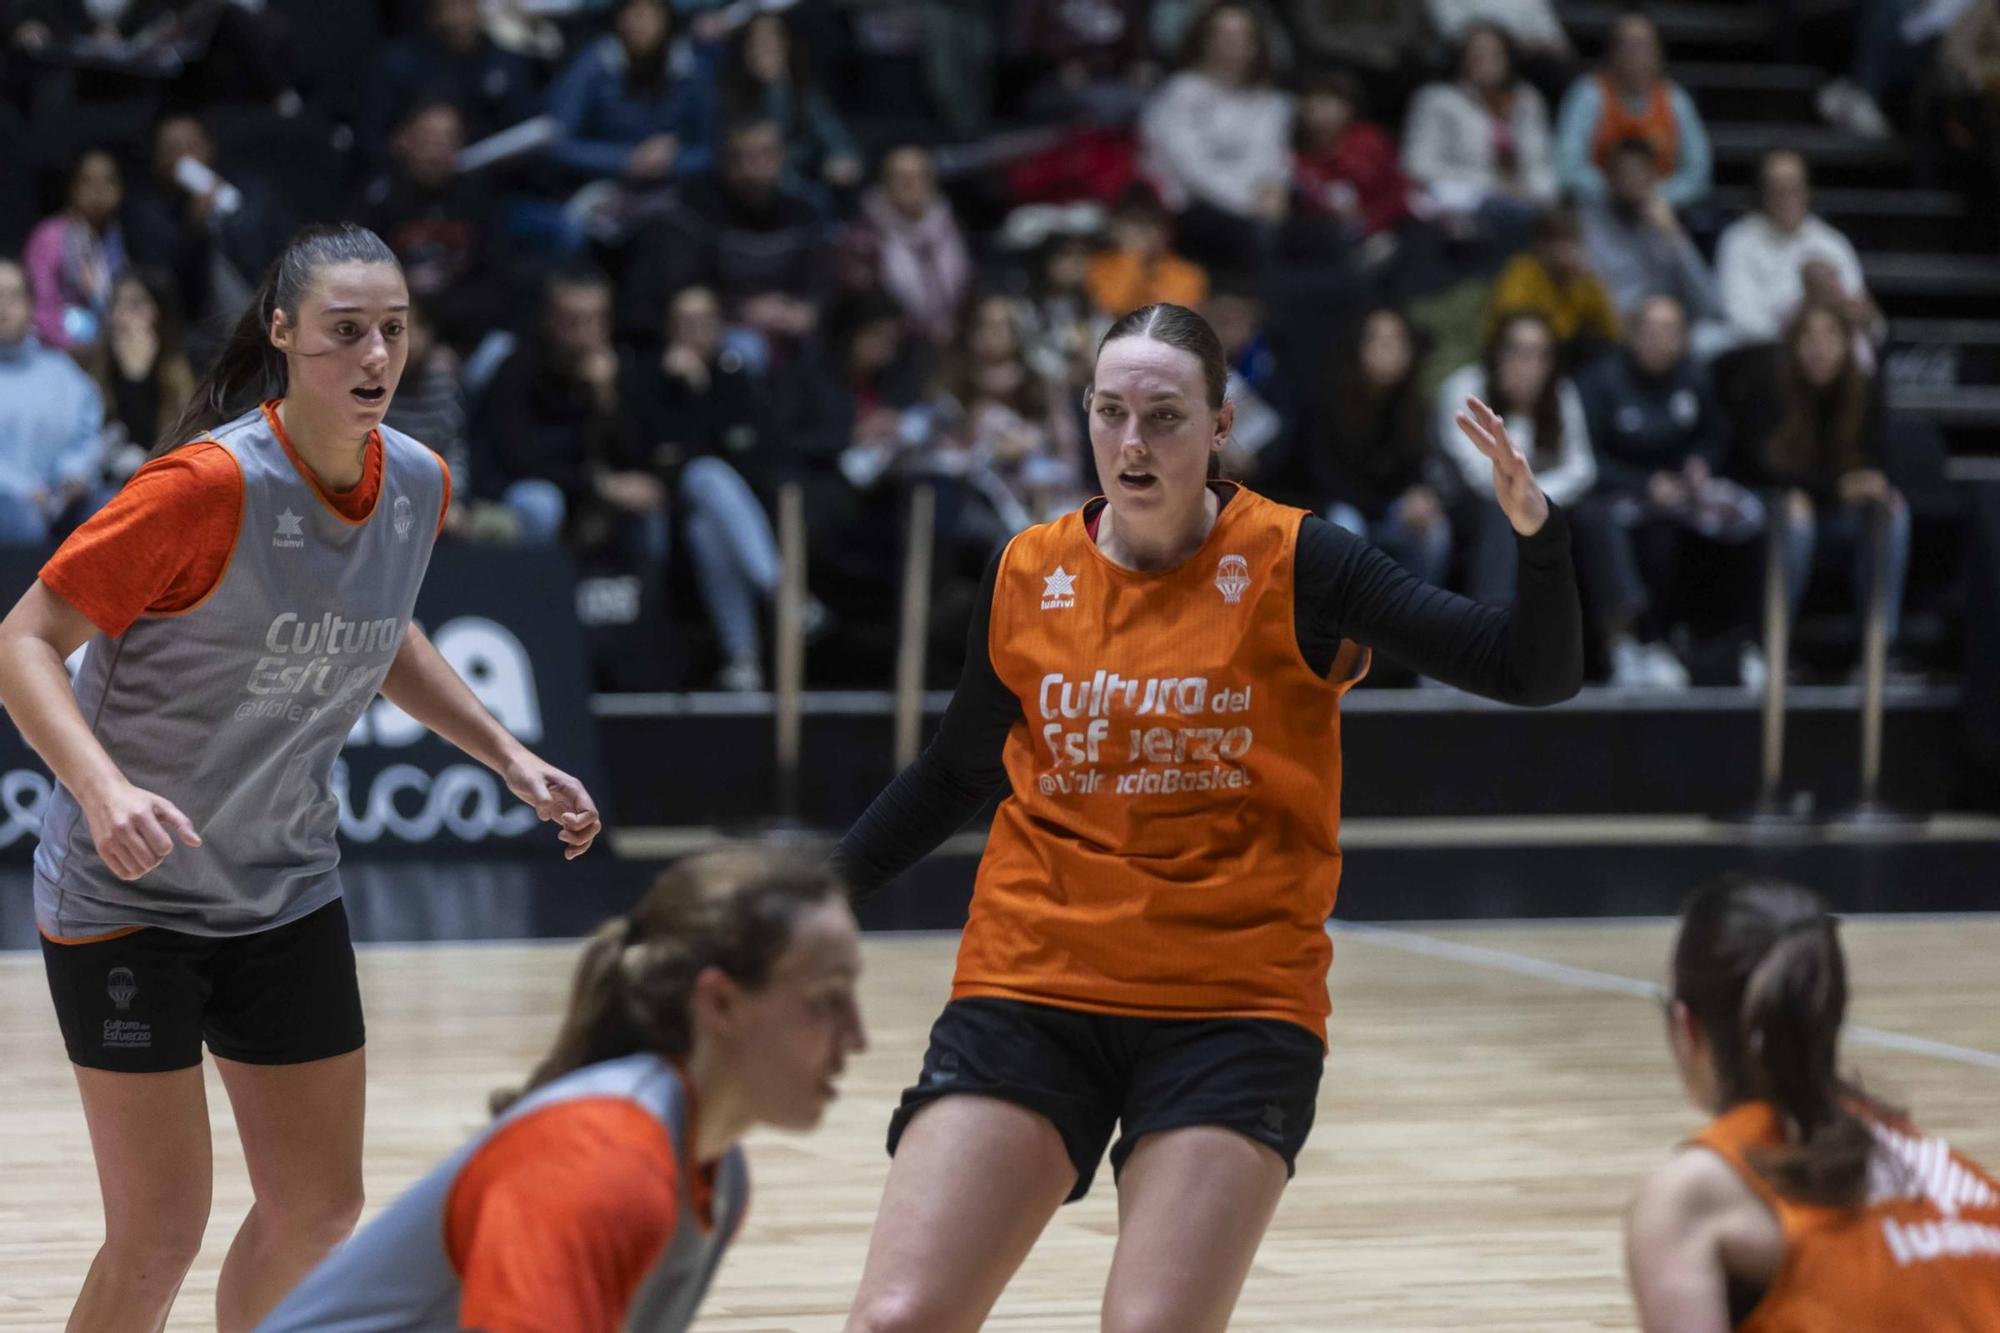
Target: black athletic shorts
1087, 1073
144, 1002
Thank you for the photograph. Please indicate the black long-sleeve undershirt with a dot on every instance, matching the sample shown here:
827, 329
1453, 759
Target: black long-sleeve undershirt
1344, 589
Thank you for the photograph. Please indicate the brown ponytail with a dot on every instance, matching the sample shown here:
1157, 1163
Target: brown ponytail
249, 369
731, 908
1759, 966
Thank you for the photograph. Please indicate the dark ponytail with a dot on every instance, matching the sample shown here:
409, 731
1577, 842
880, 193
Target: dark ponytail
1759, 966
249, 369
732, 908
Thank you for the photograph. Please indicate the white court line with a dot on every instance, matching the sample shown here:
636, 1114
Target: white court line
1583, 978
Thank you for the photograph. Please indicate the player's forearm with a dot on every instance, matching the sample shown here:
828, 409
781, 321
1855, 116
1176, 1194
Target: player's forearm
423, 684
35, 690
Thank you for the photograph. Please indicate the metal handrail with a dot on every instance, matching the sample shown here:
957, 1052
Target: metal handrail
912, 636
789, 676
1777, 653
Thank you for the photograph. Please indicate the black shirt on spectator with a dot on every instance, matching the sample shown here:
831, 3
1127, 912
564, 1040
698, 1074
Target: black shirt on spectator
1641, 424
444, 239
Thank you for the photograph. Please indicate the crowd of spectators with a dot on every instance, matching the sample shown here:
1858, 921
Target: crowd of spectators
668, 256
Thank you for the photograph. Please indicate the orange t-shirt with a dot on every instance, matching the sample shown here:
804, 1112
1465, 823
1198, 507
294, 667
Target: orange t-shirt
1655, 124
1120, 281
1170, 845
555, 1221
162, 544
1921, 1256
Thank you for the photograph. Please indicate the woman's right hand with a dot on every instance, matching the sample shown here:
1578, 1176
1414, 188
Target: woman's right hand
1863, 486
134, 829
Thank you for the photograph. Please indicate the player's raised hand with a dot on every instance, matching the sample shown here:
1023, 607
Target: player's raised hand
1514, 486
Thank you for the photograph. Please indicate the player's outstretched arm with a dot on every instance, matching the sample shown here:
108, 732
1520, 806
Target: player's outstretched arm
423, 684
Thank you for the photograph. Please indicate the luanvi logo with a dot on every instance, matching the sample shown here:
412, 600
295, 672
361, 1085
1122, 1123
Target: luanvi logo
1058, 590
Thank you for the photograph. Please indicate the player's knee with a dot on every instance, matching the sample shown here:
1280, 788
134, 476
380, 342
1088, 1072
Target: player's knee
1131, 1312
902, 1310
159, 1247
320, 1222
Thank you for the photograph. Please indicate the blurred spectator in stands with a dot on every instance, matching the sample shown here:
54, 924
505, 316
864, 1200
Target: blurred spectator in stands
1632, 99
698, 398
208, 227
1004, 447
1380, 38
1139, 268
698, 422
1819, 436
636, 106
1520, 378
1063, 320
1763, 258
440, 224
550, 425
1172, 21
1365, 458
96, 54
1541, 46
450, 59
51, 427
430, 406
920, 252
758, 242
1090, 56
1480, 144
959, 46
763, 77
1637, 245
1261, 436
1659, 437
1554, 280
848, 412
1968, 78
75, 256
142, 371
869, 373
1344, 169
1893, 39
1971, 48
1215, 140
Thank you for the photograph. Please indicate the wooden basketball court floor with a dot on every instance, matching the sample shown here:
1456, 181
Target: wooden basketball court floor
1493, 1092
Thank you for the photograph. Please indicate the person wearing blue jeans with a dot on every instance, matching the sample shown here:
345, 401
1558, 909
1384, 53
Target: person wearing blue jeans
698, 419
1365, 457
1417, 539
735, 563
539, 507
1853, 528
51, 426
1824, 450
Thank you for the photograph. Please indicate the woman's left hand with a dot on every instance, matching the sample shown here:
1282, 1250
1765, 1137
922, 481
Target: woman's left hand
1514, 486
558, 798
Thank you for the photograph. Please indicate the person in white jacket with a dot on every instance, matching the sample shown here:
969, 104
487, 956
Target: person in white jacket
1481, 144
1766, 259
1520, 378
1215, 141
